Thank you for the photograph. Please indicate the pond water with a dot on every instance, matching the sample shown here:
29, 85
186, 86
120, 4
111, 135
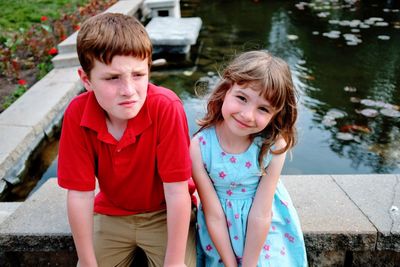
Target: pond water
345, 59
345, 69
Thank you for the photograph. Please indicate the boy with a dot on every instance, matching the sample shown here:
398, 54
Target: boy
133, 137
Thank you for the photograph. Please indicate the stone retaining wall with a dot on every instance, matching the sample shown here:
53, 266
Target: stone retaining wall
347, 220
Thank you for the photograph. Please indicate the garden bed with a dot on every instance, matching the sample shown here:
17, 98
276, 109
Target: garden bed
30, 32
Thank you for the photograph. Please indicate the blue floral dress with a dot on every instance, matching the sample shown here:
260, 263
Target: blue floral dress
235, 178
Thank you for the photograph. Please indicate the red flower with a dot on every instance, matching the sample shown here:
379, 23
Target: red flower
22, 82
43, 18
53, 51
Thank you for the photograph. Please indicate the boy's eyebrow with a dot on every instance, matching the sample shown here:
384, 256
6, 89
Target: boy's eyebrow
111, 72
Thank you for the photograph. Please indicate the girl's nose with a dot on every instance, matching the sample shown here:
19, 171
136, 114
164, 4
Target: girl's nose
248, 114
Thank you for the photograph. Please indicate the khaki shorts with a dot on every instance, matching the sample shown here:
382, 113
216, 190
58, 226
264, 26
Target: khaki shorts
121, 240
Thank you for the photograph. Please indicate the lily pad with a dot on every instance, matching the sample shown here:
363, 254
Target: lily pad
350, 89
390, 113
328, 121
345, 136
292, 37
336, 113
369, 112
383, 37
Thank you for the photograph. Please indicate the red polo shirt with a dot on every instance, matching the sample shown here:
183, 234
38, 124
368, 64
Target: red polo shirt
130, 172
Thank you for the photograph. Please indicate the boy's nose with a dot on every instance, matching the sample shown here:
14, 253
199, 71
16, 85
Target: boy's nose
127, 88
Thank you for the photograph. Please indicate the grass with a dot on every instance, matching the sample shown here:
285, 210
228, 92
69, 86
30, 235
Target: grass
21, 14
29, 33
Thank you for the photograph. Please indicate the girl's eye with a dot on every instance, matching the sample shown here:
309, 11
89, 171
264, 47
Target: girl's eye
241, 98
264, 109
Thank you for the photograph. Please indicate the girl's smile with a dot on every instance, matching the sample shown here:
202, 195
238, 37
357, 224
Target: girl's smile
245, 111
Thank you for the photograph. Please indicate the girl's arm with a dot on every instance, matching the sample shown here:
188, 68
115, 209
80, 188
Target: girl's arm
80, 215
259, 220
213, 212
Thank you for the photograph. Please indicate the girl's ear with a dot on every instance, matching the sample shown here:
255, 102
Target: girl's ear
85, 79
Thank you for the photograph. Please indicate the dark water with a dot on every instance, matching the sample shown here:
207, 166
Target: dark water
325, 70
334, 78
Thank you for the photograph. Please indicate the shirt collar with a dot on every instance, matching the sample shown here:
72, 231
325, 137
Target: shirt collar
94, 118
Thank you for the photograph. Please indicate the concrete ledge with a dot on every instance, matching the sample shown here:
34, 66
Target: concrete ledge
339, 228
68, 57
32, 117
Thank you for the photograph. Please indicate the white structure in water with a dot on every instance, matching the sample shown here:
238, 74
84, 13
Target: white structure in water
173, 35
163, 8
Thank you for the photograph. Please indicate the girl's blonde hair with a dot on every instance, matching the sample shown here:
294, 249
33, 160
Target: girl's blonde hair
270, 75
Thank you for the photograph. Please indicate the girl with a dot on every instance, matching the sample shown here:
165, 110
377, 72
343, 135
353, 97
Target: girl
246, 217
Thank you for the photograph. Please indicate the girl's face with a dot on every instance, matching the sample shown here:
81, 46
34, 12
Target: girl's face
245, 111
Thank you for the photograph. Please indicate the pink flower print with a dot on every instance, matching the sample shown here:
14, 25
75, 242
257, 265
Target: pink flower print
289, 237
284, 203
228, 222
232, 159
209, 247
283, 251
229, 204
243, 190
201, 140
273, 228
287, 220
229, 192
222, 174
266, 247
237, 216
248, 164
267, 256
223, 153
236, 237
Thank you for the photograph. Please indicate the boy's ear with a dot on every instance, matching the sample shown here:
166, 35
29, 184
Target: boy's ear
85, 79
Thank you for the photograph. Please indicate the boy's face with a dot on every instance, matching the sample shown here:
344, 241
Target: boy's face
120, 87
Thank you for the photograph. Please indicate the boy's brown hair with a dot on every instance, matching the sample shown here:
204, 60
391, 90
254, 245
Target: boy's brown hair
106, 35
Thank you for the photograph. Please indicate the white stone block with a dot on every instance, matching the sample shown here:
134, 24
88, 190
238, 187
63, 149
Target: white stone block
163, 8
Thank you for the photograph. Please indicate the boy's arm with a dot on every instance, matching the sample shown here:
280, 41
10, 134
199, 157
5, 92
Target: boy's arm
260, 215
178, 220
213, 212
80, 215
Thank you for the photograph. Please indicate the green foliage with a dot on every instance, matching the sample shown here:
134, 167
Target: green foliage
16, 14
44, 68
21, 89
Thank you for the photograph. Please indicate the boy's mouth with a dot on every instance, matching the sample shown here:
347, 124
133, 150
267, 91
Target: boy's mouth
127, 103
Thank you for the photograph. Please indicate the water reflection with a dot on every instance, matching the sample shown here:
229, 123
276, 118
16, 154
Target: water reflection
349, 93
331, 74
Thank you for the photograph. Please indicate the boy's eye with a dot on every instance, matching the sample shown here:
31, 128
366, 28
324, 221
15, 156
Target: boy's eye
137, 74
112, 78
